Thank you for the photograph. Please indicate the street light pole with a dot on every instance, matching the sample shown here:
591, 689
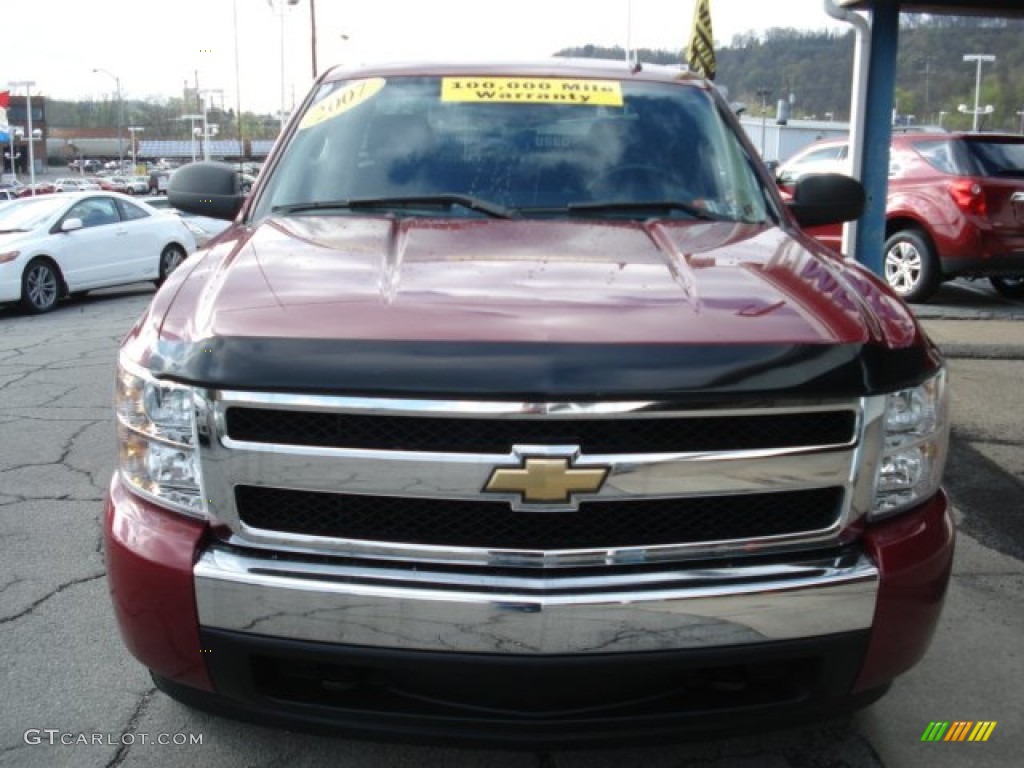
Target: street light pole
14, 166
120, 117
206, 131
979, 58
206, 125
31, 134
282, 7
192, 131
312, 32
133, 129
764, 93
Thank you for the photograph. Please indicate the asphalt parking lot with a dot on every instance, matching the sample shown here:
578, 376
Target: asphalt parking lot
66, 677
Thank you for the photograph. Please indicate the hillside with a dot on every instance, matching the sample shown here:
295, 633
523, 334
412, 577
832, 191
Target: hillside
816, 68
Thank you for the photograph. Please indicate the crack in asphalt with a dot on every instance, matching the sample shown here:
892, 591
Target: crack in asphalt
62, 461
60, 588
69, 444
132, 726
19, 379
9, 584
83, 360
22, 499
16, 417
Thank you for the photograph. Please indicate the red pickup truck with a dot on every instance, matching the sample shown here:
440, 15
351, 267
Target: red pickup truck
515, 407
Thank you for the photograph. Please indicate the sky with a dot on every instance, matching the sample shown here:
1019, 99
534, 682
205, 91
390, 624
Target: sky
152, 46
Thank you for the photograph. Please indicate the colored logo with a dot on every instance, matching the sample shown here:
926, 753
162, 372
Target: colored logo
959, 730
546, 480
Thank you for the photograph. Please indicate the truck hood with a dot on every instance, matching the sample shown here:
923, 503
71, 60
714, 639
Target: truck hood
379, 278
415, 284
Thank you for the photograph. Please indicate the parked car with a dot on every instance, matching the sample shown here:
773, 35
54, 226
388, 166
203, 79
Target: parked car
111, 183
7, 194
955, 208
515, 406
203, 228
39, 188
72, 184
14, 186
57, 245
85, 166
137, 185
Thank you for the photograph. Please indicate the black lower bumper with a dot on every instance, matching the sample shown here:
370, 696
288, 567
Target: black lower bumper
527, 702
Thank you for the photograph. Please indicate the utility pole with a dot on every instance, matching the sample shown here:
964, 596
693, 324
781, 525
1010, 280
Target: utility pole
312, 32
120, 116
927, 72
765, 94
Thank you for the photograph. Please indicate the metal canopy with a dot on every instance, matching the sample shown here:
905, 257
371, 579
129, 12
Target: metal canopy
951, 7
873, 130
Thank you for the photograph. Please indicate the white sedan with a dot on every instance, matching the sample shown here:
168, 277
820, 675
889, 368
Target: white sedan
53, 246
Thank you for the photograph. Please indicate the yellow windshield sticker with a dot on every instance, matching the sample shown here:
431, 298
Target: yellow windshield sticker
341, 101
534, 90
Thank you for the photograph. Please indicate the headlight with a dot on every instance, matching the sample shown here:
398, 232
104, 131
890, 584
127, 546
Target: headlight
915, 444
157, 438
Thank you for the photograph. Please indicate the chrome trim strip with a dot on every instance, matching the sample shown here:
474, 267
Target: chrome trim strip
463, 476
512, 409
616, 613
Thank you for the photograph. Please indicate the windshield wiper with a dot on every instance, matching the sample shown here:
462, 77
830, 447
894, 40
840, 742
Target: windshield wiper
12, 231
643, 206
405, 201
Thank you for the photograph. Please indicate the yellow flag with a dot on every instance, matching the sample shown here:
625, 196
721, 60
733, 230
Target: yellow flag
701, 56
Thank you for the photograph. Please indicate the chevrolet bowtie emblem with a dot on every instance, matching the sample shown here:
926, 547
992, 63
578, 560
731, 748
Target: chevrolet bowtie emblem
546, 481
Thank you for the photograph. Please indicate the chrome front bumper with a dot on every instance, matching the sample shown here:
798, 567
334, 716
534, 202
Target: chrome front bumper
618, 612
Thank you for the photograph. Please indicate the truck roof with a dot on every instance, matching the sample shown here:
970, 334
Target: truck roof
567, 67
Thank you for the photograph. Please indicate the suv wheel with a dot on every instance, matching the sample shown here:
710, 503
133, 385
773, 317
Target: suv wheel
1010, 287
910, 266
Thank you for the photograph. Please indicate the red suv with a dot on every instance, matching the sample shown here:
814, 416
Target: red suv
955, 208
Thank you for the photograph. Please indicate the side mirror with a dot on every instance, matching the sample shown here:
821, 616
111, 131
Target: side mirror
70, 225
207, 189
826, 198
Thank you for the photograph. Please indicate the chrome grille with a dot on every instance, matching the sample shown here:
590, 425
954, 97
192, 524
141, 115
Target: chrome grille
403, 479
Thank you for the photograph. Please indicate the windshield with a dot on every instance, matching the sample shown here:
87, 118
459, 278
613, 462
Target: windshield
519, 146
28, 213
